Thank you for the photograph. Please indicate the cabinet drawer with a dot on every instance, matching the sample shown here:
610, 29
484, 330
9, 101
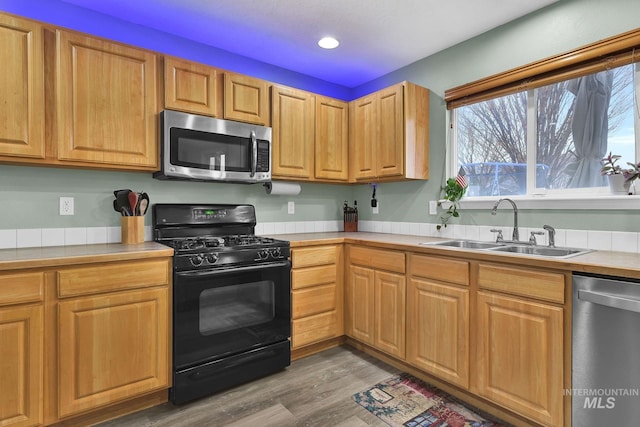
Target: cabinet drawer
20, 288
113, 277
443, 269
379, 258
319, 255
315, 328
313, 276
310, 301
548, 286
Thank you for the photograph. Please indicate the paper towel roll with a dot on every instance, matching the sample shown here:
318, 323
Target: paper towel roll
282, 188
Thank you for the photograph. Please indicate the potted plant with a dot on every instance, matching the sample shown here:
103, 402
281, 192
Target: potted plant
619, 179
452, 192
631, 174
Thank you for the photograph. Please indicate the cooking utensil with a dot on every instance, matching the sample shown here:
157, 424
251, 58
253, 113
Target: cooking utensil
133, 202
122, 200
144, 203
142, 206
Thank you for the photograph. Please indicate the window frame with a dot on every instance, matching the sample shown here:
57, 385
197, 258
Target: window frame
616, 51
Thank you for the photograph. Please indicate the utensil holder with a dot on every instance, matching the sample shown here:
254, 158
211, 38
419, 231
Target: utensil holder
132, 229
350, 222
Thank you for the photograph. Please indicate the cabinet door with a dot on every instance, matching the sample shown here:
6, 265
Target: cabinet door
293, 132
332, 138
519, 356
390, 290
21, 88
112, 347
246, 99
390, 142
21, 366
363, 127
106, 103
438, 330
190, 87
360, 304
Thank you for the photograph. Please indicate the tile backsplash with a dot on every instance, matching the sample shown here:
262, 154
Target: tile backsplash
590, 239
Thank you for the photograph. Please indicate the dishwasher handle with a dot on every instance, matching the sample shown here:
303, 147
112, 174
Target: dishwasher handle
614, 301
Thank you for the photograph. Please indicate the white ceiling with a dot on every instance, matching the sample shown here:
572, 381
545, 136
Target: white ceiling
376, 36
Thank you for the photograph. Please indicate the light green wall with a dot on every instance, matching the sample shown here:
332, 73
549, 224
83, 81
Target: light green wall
30, 195
556, 29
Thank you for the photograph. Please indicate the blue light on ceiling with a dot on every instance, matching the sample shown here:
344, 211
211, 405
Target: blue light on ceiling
65, 14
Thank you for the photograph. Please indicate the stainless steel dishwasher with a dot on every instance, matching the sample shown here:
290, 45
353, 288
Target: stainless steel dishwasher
606, 352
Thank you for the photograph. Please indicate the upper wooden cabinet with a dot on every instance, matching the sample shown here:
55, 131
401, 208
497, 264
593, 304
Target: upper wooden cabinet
21, 88
310, 136
191, 87
332, 139
293, 124
389, 135
105, 103
246, 99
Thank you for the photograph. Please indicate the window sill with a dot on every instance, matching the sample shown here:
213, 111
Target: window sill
604, 202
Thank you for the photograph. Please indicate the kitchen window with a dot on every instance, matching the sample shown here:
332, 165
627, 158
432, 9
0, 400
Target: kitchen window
538, 132
558, 132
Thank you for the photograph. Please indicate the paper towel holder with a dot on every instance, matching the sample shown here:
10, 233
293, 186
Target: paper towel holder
282, 188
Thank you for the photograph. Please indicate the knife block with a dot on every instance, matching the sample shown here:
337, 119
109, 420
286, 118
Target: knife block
132, 229
350, 222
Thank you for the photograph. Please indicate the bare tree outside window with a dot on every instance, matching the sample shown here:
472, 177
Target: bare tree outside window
492, 145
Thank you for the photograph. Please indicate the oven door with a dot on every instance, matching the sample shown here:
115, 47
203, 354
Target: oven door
221, 312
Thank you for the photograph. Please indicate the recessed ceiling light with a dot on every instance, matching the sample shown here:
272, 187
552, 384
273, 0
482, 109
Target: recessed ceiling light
328, 43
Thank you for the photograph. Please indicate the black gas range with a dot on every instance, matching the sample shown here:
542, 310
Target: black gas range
231, 297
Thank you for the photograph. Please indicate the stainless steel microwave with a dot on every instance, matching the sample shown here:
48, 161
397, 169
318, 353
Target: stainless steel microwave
206, 149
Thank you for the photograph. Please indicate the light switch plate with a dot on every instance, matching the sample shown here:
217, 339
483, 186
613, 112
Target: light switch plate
291, 208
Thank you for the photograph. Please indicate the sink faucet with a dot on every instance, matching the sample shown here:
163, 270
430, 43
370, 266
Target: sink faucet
552, 235
516, 234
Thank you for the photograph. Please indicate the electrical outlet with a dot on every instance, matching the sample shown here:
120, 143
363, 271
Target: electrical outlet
66, 205
376, 209
291, 208
433, 207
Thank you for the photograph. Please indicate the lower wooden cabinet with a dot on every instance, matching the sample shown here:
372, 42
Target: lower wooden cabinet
112, 347
375, 308
21, 365
317, 294
76, 339
438, 336
520, 356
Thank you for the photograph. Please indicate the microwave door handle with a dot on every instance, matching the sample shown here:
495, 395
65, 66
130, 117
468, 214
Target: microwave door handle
254, 154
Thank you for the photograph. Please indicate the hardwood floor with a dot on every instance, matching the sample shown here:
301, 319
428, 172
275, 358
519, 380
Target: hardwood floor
314, 391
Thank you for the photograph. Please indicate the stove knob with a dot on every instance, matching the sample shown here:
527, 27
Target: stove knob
275, 253
263, 254
212, 258
196, 260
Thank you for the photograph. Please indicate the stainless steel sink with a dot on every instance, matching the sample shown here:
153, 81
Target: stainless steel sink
466, 244
509, 247
541, 251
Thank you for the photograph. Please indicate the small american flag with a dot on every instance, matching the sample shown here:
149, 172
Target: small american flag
461, 179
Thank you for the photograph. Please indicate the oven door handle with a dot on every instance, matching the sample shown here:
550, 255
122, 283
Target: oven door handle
217, 272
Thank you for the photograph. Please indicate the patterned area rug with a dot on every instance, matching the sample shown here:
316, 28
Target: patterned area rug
404, 400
